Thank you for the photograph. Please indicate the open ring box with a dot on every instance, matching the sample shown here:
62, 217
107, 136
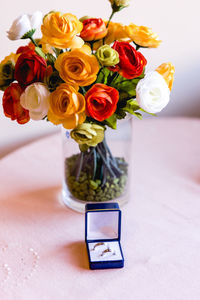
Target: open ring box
102, 235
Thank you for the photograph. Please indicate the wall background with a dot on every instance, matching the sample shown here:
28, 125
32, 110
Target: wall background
176, 21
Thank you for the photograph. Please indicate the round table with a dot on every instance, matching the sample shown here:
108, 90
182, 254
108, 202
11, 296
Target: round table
42, 249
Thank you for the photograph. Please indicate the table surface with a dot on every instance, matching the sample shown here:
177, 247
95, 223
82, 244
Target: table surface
42, 250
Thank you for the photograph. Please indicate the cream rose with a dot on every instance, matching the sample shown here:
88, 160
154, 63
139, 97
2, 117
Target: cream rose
152, 92
24, 24
35, 99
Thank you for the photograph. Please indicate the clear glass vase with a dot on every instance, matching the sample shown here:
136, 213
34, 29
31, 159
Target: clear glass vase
102, 173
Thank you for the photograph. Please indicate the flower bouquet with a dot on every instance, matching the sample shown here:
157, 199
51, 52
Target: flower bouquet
86, 75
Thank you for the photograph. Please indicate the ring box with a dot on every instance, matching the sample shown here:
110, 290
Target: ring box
102, 235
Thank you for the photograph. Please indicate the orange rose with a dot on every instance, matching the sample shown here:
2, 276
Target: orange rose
167, 71
67, 106
93, 29
11, 104
142, 36
60, 31
78, 66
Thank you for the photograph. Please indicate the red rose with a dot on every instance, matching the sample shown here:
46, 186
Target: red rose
131, 62
30, 68
93, 29
23, 49
101, 101
11, 104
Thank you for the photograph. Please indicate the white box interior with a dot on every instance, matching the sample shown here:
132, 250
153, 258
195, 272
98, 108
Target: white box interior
96, 253
102, 225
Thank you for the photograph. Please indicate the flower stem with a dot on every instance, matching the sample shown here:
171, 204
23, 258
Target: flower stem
113, 77
80, 166
33, 41
110, 18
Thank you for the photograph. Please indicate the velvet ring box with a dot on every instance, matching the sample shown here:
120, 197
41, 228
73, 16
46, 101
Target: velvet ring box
102, 235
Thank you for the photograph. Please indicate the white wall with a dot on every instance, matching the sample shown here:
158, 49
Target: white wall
176, 22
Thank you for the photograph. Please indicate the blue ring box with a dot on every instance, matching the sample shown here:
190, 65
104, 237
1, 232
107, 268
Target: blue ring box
103, 232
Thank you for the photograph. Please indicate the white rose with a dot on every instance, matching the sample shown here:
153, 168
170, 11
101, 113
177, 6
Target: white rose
35, 98
152, 92
23, 24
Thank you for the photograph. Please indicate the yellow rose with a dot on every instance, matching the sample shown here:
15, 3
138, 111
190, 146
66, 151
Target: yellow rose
116, 32
67, 106
142, 36
78, 66
12, 57
60, 30
167, 71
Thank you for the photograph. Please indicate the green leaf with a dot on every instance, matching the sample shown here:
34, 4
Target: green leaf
112, 121
126, 87
120, 114
103, 76
138, 115
28, 34
131, 106
39, 51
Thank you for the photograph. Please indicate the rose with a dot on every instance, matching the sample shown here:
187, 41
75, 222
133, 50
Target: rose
27, 48
30, 68
88, 134
67, 106
7, 67
152, 92
167, 71
131, 63
52, 80
120, 2
84, 18
60, 30
118, 5
116, 32
107, 56
93, 29
78, 66
101, 101
142, 36
11, 104
24, 24
35, 99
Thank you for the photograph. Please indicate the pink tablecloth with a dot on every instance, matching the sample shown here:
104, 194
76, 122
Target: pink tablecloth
42, 250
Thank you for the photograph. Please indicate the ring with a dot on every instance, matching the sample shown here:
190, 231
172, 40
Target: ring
108, 250
99, 244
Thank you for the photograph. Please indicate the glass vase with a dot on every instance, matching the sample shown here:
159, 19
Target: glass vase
100, 174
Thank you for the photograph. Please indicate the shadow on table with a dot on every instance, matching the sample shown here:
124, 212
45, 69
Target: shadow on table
76, 253
39, 205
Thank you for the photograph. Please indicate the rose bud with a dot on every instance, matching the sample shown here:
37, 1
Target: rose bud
7, 67
107, 56
88, 134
